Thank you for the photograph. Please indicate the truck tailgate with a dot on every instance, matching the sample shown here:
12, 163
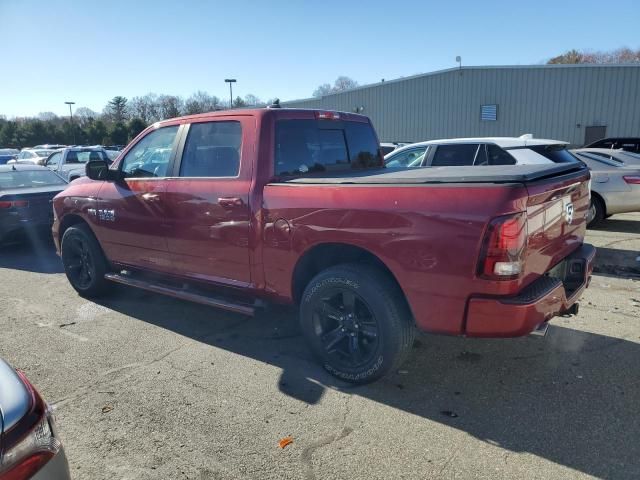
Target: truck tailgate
556, 211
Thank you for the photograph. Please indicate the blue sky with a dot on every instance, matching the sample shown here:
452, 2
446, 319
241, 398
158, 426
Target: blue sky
89, 51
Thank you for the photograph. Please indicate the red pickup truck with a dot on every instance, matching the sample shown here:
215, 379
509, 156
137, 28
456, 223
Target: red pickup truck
237, 209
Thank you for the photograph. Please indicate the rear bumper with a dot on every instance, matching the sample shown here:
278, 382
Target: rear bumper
55, 469
536, 304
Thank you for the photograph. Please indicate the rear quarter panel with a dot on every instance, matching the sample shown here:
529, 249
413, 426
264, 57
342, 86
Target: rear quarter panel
428, 236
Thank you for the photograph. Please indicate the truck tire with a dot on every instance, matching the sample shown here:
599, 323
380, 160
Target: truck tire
596, 213
84, 263
356, 322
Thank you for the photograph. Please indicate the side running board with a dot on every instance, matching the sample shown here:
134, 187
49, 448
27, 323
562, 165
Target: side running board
183, 294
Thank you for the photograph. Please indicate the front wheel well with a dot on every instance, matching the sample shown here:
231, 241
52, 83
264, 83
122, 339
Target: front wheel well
323, 256
68, 221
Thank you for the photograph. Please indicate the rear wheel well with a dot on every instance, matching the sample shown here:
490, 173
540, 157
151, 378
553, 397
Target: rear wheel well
597, 196
327, 255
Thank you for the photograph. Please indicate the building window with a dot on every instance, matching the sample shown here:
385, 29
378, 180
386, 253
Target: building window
489, 113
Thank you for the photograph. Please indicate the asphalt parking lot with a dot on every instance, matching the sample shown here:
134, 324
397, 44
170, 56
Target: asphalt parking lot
148, 387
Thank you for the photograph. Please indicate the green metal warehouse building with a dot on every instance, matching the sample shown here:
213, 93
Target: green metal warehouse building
575, 103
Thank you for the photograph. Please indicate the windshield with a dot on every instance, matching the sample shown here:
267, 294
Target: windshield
29, 179
83, 156
43, 153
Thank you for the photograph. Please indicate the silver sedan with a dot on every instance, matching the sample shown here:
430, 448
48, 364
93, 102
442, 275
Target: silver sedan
615, 182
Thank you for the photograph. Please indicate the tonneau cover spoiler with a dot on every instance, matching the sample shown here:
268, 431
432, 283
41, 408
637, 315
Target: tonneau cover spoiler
470, 174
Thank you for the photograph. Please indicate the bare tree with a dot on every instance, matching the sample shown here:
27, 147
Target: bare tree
621, 55
252, 101
341, 84
145, 108
201, 102
47, 116
324, 89
85, 115
344, 83
170, 106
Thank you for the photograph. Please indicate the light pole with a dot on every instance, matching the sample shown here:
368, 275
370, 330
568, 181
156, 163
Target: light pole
230, 81
71, 120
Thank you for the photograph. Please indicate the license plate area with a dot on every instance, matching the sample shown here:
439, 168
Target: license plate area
571, 272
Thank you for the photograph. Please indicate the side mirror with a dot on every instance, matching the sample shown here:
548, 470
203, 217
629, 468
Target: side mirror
99, 170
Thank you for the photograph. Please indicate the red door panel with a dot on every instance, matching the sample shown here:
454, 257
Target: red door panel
210, 236
132, 223
208, 202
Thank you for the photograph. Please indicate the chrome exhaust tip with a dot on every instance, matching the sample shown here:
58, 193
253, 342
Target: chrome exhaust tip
541, 330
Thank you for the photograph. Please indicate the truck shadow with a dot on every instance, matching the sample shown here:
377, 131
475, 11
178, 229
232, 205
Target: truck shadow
35, 253
571, 398
613, 262
620, 226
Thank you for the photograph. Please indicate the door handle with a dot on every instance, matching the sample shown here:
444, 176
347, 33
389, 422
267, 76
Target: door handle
230, 202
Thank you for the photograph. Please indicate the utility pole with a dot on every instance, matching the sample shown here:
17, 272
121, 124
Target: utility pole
71, 120
230, 81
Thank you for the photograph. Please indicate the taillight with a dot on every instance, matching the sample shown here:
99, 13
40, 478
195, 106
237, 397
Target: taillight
323, 115
632, 179
505, 241
30, 443
14, 204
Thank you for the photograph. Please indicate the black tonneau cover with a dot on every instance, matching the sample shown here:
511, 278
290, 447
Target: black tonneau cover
477, 174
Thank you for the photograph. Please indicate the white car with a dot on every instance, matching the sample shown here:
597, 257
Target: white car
37, 156
524, 150
615, 181
388, 147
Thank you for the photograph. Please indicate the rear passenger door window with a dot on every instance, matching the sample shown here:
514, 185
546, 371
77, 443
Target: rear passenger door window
455, 155
497, 156
212, 149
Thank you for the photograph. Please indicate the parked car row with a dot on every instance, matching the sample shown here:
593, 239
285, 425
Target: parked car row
8, 154
70, 162
615, 185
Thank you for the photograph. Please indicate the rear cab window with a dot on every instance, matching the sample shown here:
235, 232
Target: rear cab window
308, 146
